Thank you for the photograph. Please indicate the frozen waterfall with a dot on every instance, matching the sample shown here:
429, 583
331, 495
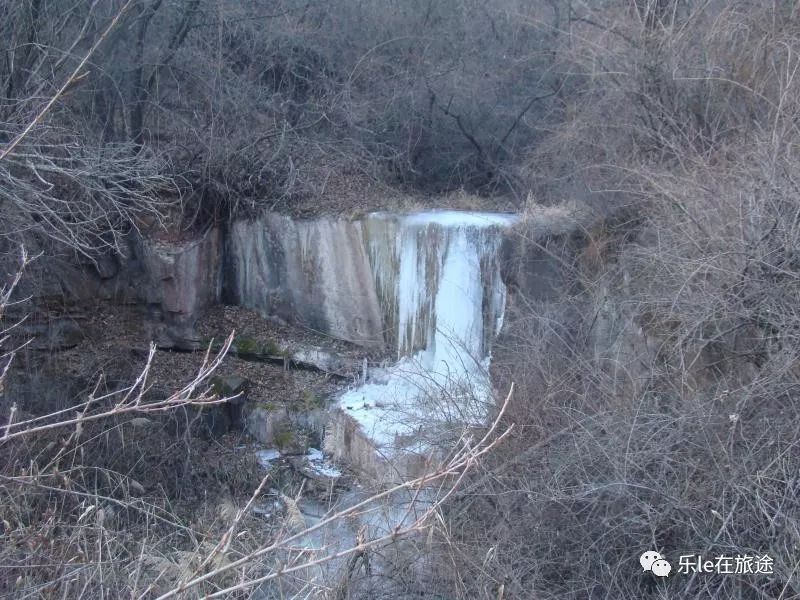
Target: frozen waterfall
437, 276
427, 285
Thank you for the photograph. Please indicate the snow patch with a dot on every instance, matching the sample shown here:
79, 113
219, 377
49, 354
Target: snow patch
320, 465
267, 457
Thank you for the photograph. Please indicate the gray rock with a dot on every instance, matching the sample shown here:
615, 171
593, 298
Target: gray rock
265, 421
182, 280
230, 385
312, 272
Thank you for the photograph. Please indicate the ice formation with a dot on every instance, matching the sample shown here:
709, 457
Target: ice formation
437, 276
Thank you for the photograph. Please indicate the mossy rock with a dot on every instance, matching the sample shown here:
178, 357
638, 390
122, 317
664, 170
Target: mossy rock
270, 348
245, 346
289, 441
284, 438
250, 347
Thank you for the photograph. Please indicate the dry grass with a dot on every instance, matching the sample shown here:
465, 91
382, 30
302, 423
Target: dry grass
667, 435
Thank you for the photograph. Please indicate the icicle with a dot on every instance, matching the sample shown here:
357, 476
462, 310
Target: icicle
438, 281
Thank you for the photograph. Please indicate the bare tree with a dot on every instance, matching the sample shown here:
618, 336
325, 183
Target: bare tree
55, 182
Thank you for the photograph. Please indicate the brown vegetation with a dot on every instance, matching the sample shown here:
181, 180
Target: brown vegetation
657, 405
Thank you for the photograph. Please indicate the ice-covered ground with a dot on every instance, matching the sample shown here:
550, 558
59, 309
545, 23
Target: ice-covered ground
320, 465
267, 457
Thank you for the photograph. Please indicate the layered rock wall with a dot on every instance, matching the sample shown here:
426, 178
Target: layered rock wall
311, 272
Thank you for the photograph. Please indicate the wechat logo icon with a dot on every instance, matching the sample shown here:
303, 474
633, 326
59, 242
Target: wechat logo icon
655, 563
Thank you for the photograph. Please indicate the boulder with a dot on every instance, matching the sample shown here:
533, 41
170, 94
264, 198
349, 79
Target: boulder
234, 387
230, 385
265, 421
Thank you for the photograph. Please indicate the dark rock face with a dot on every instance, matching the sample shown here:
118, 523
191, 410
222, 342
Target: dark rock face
59, 334
176, 281
536, 254
107, 266
216, 420
534, 269
234, 387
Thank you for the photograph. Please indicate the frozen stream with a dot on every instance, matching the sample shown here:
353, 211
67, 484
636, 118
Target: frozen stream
427, 285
